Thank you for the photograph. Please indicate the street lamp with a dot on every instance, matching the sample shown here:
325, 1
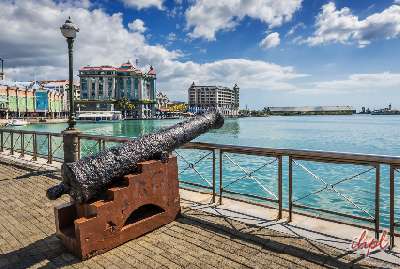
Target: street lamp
69, 30
70, 135
2, 71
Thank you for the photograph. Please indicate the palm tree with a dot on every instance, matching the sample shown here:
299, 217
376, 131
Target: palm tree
125, 105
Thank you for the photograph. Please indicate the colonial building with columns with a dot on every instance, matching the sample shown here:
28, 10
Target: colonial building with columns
203, 98
103, 86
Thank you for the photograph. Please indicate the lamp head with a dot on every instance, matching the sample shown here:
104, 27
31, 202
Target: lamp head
69, 29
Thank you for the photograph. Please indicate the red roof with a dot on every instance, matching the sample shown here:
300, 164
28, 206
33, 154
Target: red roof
126, 67
98, 68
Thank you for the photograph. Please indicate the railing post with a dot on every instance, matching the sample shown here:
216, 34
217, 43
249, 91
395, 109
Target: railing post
220, 176
79, 147
1, 141
392, 223
213, 177
104, 144
290, 189
99, 142
71, 145
12, 143
49, 149
377, 197
280, 186
22, 144
34, 146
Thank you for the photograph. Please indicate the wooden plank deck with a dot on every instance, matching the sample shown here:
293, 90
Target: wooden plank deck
196, 240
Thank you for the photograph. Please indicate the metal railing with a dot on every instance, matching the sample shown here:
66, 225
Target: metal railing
241, 170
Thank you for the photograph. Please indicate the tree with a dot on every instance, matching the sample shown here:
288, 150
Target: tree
125, 105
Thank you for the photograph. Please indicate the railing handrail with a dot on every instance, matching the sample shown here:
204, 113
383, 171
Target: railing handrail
300, 154
6, 130
372, 160
342, 157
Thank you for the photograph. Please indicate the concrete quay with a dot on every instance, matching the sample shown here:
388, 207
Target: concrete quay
205, 236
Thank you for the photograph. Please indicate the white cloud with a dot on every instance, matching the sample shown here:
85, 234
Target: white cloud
33, 47
30, 37
207, 17
298, 26
141, 4
137, 26
383, 85
249, 74
362, 82
270, 41
341, 26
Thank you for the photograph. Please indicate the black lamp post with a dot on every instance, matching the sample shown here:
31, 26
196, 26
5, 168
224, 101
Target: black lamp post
69, 30
70, 135
2, 71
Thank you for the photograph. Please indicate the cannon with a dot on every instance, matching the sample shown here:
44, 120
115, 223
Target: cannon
90, 176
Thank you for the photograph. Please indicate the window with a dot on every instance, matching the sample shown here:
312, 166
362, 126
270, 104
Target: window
110, 82
136, 89
84, 88
93, 89
101, 89
129, 88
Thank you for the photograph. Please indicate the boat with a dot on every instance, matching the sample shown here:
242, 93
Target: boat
17, 122
99, 116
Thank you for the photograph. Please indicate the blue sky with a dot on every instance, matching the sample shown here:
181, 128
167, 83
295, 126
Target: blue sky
286, 52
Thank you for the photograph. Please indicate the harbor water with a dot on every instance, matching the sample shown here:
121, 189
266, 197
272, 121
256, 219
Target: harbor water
365, 134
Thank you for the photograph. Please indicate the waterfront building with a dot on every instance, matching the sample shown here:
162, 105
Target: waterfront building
18, 98
62, 87
3, 102
365, 111
386, 111
102, 87
50, 103
29, 99
203, 98
311, 110
162, 101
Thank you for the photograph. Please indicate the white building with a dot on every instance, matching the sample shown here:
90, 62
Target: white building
203, 98
103, 86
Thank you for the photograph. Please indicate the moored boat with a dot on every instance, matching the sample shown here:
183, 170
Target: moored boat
17, 122
98, 116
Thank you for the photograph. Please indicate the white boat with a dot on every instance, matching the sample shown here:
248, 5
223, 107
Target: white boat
96, 116
17, 122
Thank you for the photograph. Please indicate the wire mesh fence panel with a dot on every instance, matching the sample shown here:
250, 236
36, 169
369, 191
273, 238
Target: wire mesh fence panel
250, 175
16, 142
27, 144
393, 214
196, 167
7, 136
57, 149
89, 147
341, 188
42, 141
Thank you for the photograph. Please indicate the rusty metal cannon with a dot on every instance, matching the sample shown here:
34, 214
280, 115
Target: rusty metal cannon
124, 192
85, 179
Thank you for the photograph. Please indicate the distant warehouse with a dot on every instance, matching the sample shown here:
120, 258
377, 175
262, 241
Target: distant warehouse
311, 110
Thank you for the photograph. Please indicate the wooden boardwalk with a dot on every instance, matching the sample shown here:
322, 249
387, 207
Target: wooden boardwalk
196, 240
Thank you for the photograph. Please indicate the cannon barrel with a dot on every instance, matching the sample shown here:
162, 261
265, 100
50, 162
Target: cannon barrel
90, 176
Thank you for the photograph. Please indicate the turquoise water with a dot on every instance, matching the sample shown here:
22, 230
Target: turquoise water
357, 134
